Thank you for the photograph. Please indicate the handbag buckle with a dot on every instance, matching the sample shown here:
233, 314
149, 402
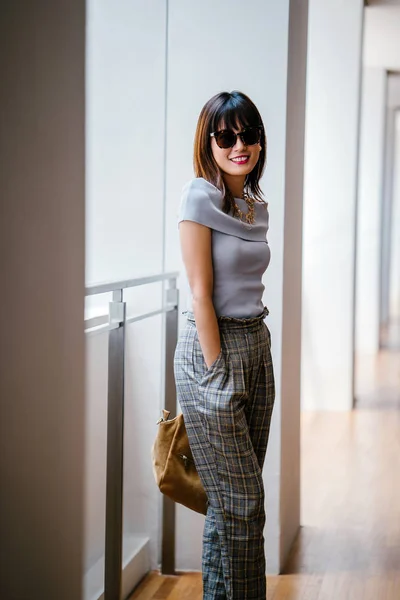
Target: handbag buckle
164, 416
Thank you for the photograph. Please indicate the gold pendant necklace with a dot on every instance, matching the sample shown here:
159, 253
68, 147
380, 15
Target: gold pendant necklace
248, 217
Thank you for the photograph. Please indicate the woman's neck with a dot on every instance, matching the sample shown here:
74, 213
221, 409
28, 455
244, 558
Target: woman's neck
235, 185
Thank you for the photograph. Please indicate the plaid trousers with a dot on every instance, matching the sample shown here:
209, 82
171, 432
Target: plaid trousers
227, 410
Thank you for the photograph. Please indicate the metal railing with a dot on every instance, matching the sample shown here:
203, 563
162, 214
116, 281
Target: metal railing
115, 322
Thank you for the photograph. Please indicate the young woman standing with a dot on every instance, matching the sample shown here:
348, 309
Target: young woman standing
223, 368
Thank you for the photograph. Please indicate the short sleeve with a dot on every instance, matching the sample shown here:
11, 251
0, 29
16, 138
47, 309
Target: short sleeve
199, 203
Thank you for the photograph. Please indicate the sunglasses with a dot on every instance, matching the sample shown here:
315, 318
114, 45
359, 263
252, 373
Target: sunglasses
226, 138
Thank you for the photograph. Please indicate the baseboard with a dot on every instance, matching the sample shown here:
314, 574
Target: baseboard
135, 566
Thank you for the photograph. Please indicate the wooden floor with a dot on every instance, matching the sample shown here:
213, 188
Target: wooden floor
348, 547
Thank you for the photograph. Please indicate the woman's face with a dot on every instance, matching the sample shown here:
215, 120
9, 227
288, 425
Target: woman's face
237, 161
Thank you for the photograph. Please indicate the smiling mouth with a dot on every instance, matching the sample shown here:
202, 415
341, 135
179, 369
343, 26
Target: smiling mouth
240, 160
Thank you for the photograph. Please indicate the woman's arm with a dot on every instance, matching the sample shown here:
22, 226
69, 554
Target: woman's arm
197, 257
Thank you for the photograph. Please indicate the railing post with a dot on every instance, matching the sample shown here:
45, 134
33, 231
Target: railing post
168, 507
115, 450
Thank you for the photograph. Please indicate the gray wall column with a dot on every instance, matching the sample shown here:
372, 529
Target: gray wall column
42, 280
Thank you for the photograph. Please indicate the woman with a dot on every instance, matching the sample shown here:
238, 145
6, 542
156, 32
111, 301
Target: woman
223, 368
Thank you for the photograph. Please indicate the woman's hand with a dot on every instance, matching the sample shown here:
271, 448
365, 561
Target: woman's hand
212, 361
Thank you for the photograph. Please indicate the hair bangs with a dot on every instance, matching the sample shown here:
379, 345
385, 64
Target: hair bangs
235, 113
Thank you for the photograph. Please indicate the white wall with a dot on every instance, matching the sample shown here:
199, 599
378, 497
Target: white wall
127, 234
382, 41
395, 237
125, 138
196, 71
394, 89
369, 210
393, 201
125, 239
333, 90
42, 268
382, 50
387, 207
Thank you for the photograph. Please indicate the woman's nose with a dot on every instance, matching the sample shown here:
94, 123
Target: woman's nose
239, 144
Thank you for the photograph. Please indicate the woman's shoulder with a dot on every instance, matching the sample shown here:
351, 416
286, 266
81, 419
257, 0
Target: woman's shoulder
200, 189
200, 201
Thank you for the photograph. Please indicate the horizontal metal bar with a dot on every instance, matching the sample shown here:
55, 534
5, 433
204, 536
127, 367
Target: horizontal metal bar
96, 321
153, 313
101, 323
103, 288
101, 328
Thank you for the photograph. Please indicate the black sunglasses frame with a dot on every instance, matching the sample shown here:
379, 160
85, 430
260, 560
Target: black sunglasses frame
241, 134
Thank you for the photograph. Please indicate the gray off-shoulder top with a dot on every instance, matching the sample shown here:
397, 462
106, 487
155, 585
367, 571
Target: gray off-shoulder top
240, 252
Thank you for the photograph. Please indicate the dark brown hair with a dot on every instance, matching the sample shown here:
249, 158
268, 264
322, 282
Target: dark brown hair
235, 110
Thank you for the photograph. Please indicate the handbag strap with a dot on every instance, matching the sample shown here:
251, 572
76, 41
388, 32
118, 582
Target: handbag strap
164, 416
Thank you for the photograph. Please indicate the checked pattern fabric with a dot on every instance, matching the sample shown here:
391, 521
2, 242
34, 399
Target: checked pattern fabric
227, 410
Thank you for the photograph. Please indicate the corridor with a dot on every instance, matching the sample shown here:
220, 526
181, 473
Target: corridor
102, 103
348, 547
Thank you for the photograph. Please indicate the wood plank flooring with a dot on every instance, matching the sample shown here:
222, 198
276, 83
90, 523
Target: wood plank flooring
348, 547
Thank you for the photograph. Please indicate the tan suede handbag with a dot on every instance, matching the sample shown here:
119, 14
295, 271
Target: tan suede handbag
173, 466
